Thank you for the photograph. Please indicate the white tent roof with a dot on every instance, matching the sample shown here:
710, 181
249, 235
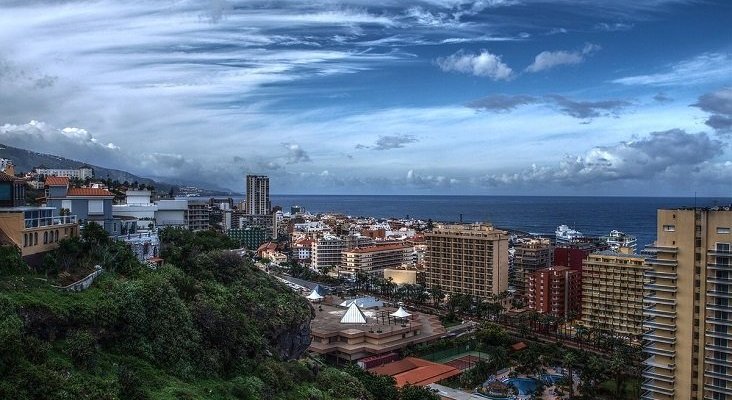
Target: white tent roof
353, 315
400, 313
314, 295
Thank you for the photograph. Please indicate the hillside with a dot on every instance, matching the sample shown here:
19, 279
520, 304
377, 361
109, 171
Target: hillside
207, 325
26, 160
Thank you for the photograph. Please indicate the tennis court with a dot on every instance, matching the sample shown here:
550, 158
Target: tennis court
464, 362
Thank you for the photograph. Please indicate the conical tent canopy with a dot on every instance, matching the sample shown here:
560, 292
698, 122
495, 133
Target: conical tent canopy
319, 290
314, 295
353, 315
400, 313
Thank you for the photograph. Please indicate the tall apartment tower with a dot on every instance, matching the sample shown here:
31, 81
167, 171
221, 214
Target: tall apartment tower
257, 201
555, 291
530, 255
688, 338
612, 292
467, 259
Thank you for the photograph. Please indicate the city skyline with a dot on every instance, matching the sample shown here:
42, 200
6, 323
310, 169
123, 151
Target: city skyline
354, 97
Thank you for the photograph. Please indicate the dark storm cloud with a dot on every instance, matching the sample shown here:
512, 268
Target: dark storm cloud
719, 105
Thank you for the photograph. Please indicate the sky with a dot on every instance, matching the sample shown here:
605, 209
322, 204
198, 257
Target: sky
488, 97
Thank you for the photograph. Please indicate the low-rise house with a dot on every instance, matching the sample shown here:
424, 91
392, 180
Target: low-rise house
33, 230
88, 203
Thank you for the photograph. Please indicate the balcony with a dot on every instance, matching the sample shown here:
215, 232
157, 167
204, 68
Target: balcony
659, 352
650, 373
662, 249
721, 363
718, 389
723, 349
716, 293
715, 321
652, 312
40, 222
651, 336
651, 386
720, 252
653, 298
719, 335
669, 288
718, 266
651, 362
657, 274
718, 375
719, 307
650, 325
719, 280
662, 262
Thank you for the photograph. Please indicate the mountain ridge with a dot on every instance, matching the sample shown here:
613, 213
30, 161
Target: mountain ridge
26, 160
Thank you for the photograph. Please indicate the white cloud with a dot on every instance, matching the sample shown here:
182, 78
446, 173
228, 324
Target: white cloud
483, 64
704, 68
550, 59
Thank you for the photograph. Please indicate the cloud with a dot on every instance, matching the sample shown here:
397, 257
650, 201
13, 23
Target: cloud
502, 102
613, 27
671, 154
719, 105
70, 142
588, 109
483, 64
662, 97
295, 153
550, 59
413, 178
389, 142
704, 68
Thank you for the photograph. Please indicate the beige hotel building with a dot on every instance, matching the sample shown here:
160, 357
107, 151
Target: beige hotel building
612, 292
468, 259
688, 329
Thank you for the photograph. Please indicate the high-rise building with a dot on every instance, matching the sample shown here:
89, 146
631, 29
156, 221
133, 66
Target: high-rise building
555, 291
612, 292
530, 255
688, 338
257, 201
467, 259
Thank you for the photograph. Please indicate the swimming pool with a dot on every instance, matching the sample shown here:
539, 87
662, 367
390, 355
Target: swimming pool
551, 379
523, 385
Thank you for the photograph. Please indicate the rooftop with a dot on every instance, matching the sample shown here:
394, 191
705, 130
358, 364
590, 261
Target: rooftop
416, 371
7, 178
57, 181
376, 248
85, 192
617, 254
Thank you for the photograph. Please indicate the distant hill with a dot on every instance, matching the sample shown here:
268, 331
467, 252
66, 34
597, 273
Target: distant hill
26, 160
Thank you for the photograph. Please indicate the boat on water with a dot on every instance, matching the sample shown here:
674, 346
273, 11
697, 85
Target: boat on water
565, 234
617, 239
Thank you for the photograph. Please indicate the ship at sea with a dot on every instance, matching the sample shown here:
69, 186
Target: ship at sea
565, 234
617, 239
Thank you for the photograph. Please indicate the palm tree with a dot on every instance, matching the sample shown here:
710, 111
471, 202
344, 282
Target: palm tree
570, 361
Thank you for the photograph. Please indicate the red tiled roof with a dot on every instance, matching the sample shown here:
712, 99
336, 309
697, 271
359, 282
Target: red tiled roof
7, 178
84, 192
57, 181
416, 371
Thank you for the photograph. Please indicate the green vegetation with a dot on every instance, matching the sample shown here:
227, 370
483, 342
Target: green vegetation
208, 325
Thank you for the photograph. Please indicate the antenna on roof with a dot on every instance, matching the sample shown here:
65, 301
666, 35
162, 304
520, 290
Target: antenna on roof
461, 218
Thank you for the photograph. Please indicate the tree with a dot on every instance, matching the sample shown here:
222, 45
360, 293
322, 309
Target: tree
437, 295
11, 261
570, 361
411, 392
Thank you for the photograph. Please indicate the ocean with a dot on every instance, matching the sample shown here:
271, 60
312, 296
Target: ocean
541, 215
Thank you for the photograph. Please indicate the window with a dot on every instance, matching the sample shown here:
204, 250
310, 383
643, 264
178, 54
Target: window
66, 204
96, 207
45, 237
669, 228
722, 230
